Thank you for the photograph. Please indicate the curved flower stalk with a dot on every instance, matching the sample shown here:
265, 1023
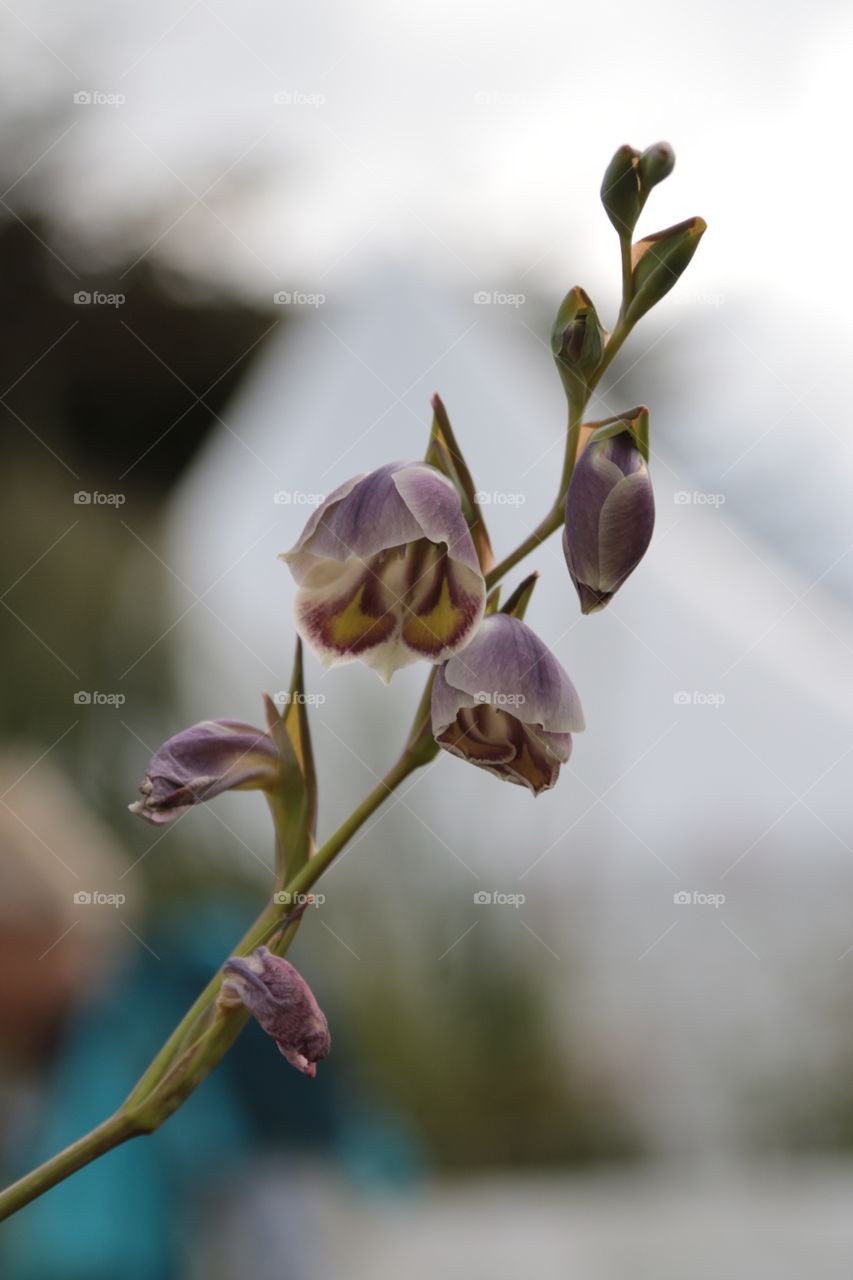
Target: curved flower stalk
392, 568
610, 510
387, 571
506, 705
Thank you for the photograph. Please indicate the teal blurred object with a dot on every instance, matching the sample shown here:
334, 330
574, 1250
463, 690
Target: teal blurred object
380, 1155
128, 1214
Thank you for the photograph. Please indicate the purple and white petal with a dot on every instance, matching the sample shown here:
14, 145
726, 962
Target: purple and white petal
506, 659
203, 761
434, 503
626, 527
364, 516
387, 571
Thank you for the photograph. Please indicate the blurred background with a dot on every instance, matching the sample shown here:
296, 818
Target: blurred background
240, 246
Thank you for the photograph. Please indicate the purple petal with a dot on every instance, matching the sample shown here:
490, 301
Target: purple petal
277, 995
507, 660
364, 516
434, 503
201, 762
627, 522
593, 479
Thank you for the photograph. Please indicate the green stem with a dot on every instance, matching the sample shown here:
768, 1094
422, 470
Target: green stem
627, 271
108, 1135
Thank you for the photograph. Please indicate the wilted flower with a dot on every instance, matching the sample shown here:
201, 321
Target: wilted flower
279, 997
201, 762
507, 705
610, 512
387, 571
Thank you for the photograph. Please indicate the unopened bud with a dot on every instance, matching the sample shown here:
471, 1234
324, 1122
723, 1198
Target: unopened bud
621, 191
280, 999
610, 509
578, 339
656, 163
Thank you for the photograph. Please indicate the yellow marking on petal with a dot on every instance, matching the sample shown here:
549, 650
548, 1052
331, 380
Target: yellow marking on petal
433, 630
353, 624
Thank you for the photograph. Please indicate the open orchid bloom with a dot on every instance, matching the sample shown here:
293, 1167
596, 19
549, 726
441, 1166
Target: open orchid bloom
202, 762
279, 997
610, 515
507, 705
387, 571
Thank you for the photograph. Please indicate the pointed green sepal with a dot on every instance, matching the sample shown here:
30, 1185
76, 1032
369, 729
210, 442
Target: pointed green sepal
493, 600
444, 454
658, 261
294, 801
520, 598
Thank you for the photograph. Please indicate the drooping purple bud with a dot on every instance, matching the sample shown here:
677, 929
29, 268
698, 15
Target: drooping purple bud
506, 705
280, 999
202, 762
610, 510
387, 571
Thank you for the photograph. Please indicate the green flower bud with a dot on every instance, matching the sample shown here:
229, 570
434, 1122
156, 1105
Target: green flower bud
656, 163
621, 193
578, 339
658, 261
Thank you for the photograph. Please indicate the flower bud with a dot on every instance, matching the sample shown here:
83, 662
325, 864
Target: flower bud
658, 261
610, 509
280, 999
621, 191
656, 163
506, 705
387, 571
578, 339
202, 762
